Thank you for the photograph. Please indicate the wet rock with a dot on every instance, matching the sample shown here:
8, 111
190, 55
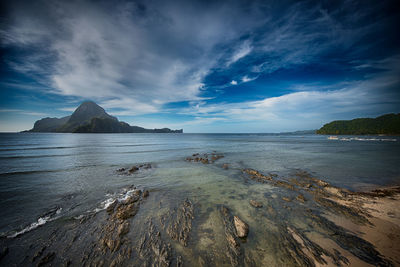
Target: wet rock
38, 253
284, 184
316, 251
354, 244
271, 211
205, 158
134, 169
126, 211
352, 213
301, 198
385, 192
216, 157
255, 204
225, 166
145, 193
242, 228
178, 223
46, 259
123, 229
257, 176
321, 183
233, 251
111, 207
204, 161
3, 252
112, 244
232, 241
291, 249
153, 250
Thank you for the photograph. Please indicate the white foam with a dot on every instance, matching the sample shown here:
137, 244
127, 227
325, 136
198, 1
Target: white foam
41, 221
121, 197
362, 139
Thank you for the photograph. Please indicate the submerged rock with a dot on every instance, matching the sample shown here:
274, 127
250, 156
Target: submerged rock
205, 158
255, 204
257, 176
242, 228
123, 229
46, 259
153, 250
301, 198
134, 169
233, 251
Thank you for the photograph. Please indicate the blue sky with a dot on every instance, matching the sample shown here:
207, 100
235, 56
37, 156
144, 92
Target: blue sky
204, 66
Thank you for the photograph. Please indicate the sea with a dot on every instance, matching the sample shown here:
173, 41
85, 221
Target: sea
49, 179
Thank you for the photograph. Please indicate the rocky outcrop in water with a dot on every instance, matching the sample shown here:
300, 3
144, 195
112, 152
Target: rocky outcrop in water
233, 251
178, 222
205, 158
292, 223
242, 229
153, 250
134, 169
255, 203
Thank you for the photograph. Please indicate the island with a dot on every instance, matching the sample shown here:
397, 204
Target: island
91, 118
388, 124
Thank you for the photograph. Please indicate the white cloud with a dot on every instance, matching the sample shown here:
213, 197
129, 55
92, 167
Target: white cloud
233, 82
143, 57
310, 108
70, 109
243, 50
247, 79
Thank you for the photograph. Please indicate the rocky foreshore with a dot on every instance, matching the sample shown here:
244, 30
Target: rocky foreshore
294, 220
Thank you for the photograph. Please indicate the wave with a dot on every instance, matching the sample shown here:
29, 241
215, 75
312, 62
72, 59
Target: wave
69, 147
48, 217
120, 197
110, 199
362, 139
73, 168
33, 157
37, 148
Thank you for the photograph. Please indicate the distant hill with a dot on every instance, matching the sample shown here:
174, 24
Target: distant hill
91, 118
49, 124
386, 124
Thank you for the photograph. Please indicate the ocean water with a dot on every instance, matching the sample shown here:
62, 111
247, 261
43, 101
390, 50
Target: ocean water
48, 179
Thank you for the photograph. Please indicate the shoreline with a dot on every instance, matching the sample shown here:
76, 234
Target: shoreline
241, 217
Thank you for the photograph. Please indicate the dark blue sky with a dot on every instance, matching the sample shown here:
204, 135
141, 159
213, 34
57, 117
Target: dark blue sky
205, 66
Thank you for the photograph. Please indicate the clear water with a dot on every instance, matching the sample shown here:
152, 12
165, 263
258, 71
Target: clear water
45, 177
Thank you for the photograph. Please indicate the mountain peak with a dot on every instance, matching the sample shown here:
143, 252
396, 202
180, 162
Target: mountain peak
91, 118
88, 110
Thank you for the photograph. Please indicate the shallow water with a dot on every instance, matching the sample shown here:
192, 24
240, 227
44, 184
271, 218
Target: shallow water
48, 181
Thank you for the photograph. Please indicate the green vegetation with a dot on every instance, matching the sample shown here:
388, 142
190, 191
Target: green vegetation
386, 124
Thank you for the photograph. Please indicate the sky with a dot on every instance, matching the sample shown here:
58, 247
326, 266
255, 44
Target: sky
204, 66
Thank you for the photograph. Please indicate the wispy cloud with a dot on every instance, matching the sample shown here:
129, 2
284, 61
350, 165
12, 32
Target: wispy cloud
145, 56
22, 112
243, 50
157, 58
